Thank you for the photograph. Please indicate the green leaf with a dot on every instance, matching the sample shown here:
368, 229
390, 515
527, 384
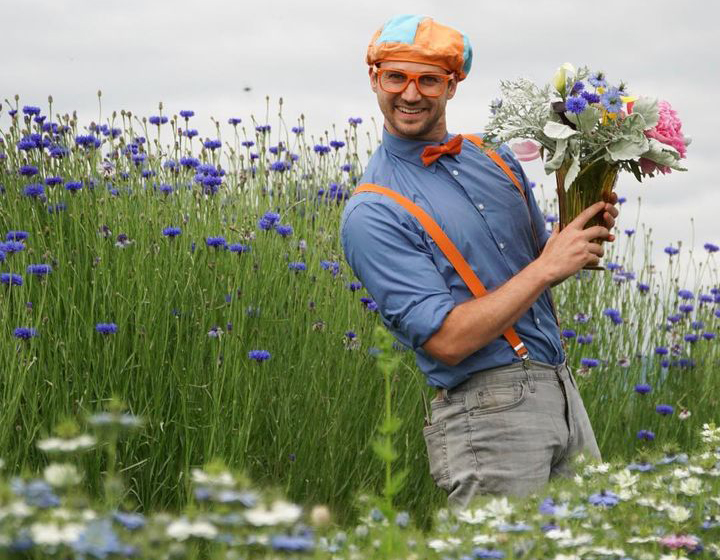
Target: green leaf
572, 172
633, 126
384, 450
625, 149
390, 425
558, 131
397, 481
648, 108
557, 158
588, 119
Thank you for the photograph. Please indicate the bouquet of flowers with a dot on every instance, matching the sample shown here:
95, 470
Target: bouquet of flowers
586, 131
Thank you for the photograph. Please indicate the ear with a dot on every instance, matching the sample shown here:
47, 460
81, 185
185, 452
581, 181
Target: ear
373, 79
452, 88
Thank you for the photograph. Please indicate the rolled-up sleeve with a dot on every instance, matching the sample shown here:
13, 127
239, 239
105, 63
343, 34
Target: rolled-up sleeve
394, 263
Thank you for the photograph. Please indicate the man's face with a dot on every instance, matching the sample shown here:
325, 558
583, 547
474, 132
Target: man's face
409, 114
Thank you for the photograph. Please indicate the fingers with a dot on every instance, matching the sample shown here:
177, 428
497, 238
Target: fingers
585, 216
596, 232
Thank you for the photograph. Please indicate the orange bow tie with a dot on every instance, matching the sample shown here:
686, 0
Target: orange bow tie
431, 153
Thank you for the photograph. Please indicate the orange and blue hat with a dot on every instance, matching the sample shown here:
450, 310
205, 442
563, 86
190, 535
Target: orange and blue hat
413, 38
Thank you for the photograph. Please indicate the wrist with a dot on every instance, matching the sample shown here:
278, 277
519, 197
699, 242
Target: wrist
542, 273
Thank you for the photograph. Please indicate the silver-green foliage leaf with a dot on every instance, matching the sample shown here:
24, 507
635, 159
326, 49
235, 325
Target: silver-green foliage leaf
572, 172
555, 162
648, 108
558, 131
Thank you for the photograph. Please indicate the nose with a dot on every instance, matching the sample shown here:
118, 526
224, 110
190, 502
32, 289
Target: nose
411, 92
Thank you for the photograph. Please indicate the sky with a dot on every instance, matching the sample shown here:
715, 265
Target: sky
225, 58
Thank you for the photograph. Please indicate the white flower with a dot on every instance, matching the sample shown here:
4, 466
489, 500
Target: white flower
439, 544
567, 557
499, 508
578, 480
474, 517
626, 494
710, 434
599, 468
79, 443
182, 529
18, 509
557, 534
580, 540
678, 513
684, 414
281, 512
624, 479
681, 473
602, 551
50, 534
224, 478
696, 470
642, 540
691, 486
484, 539
61, 475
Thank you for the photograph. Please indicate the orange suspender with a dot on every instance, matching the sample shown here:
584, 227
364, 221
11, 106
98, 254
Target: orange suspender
447, 246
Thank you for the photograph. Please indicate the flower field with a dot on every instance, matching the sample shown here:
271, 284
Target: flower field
200, 279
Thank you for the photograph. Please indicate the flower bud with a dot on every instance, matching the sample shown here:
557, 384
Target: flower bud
561, 75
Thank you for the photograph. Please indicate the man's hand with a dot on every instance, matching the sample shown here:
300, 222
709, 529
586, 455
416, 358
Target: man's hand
571, 249
610, 212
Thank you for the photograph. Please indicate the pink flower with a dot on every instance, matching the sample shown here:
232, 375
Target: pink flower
668, 129
647, 166
527, 150
679, 541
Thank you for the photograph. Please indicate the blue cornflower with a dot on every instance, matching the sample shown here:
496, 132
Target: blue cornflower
34, 190
190, 132
629, 232
685, 294
186, 113
24, 333
216, 242
263, 128
691, 338
239, 248
551, 218
28, 170
708, 335
248, 143
354, 286
166, 189
11, 279
605, 498
2, 255
279, 166
643, 288
597, 79
664, 409
88, 140
353, 121
171, 164
58, 152
346, 168
37, 493
643, 388
271, 217
284, 230
234, 121
259, 355
172, 231
661, 351
487, 553
336, 144
697, 324
671, 251
297, 266
39, 269
587, 339
297, 129
158, 120
73, 186
711, 248
575, 105
276, 149
16, 235
40, 119
212, 144
99, 540
590, 362
30, 110
642, 467
265, 224
106, 328
52, 181
12, 246
611, 100
189, 162
611, 312
613, 266
686, 308
320, 149
705, 298
568, 333
577, 88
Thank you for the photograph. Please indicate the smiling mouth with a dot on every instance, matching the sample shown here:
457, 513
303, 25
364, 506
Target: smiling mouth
406, 111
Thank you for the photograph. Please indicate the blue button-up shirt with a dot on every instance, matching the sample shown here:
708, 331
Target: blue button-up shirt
409, 277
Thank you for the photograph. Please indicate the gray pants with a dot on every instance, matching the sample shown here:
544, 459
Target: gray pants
507, 430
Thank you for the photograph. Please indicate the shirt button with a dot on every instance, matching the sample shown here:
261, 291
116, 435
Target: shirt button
481, 207
537, 320
502, 245
455, 172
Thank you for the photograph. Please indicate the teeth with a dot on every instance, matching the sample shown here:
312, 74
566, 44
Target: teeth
409, 111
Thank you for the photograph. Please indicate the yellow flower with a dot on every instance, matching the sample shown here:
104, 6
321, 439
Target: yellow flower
628, 98
601, 90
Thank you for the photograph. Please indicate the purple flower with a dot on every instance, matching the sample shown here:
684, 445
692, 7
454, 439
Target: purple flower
629, 232
354, 286
259, 355
88, 141
590, 362
186, 113
172, 231
581, 318
597, 79
336, 144
212, 144
691, 338
73, 186
685, 294
671, 251
297, 129
664, 409
604, 498
320, 149
11, 279
284, 230
279, 166
642, 288
263, 128
487, 553
158, 120
39, 269
239, 248
30, 110
52, 181
646, 435
708, 335
216, 242
248, 143
568, 333
355, 121
13, 235
587, 339
577, 88
642, 467
28, 170
590, 97
297, 266
643, 388
234, 121
711, 248
24, 333
106, 328
575, 105
35, 190
686, 308
661, 350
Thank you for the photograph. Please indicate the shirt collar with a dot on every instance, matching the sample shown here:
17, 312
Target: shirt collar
411, 150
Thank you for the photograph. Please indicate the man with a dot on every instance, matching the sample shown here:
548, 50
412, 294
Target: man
500, 423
